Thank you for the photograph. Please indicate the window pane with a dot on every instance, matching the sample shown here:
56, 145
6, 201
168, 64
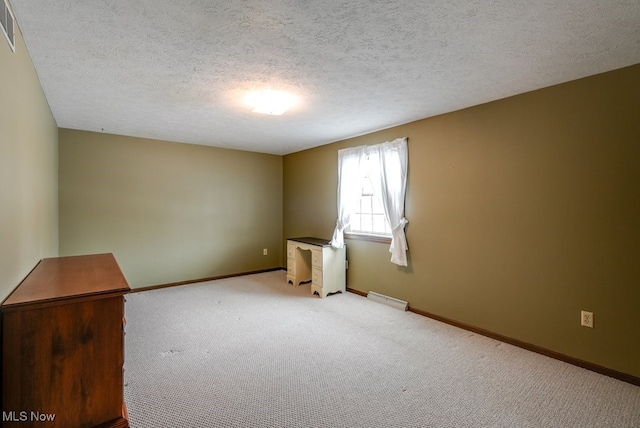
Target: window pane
377, 206
366, 223
370, 216
379, 224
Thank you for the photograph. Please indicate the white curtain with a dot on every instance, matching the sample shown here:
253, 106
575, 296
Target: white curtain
389, 183
349, 173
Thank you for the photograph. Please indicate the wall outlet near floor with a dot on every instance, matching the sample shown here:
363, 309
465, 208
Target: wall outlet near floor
586, 319
264, 252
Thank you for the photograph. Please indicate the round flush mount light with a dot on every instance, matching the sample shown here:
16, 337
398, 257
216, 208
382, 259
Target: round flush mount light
270, 101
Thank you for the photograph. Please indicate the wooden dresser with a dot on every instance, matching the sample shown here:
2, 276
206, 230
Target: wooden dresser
63, 345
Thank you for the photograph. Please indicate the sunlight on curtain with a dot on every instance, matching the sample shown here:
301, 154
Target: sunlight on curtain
349, 165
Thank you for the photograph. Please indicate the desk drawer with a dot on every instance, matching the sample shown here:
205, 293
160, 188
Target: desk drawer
316, 258
316, 277
291, 251
291, 266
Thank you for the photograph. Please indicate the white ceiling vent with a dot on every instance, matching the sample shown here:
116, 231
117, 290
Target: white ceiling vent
7, 24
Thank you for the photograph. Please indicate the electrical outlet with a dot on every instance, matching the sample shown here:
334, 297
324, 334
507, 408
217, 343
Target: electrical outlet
586, 319
264, 252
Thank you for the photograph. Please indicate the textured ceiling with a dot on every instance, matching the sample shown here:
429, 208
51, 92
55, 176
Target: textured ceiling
178, 70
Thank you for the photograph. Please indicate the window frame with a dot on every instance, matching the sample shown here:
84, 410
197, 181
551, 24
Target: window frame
359, 236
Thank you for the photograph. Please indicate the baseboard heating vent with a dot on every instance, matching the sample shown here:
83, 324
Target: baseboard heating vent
390, 301
7, 24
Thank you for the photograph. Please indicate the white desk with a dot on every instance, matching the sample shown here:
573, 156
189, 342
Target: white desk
313, 259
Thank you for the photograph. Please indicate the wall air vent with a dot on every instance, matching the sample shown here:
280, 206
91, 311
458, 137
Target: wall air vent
390, 301
7, 24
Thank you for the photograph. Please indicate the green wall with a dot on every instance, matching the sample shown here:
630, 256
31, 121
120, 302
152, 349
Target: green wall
169, 212
522, 212
28, 169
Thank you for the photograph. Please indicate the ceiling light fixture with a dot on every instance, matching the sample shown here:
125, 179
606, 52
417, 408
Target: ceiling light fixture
269, 101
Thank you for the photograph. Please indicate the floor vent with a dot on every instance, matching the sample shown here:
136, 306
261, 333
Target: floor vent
7, 23
390, 301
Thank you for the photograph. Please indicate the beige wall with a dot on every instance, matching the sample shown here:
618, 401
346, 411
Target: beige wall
522, 212
169, 212
28, 169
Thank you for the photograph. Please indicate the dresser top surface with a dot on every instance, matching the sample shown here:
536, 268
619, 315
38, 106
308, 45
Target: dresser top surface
312, 241
63, 278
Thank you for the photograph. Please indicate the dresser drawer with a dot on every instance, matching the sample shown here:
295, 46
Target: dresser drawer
316, 277
316, 258
291, 251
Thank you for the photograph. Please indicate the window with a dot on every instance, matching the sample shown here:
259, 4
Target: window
369, 218
372, 182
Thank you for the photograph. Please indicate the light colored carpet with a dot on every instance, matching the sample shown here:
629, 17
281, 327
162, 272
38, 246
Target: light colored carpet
255, 352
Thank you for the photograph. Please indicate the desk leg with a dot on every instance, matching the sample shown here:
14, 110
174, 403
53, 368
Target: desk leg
315, 289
